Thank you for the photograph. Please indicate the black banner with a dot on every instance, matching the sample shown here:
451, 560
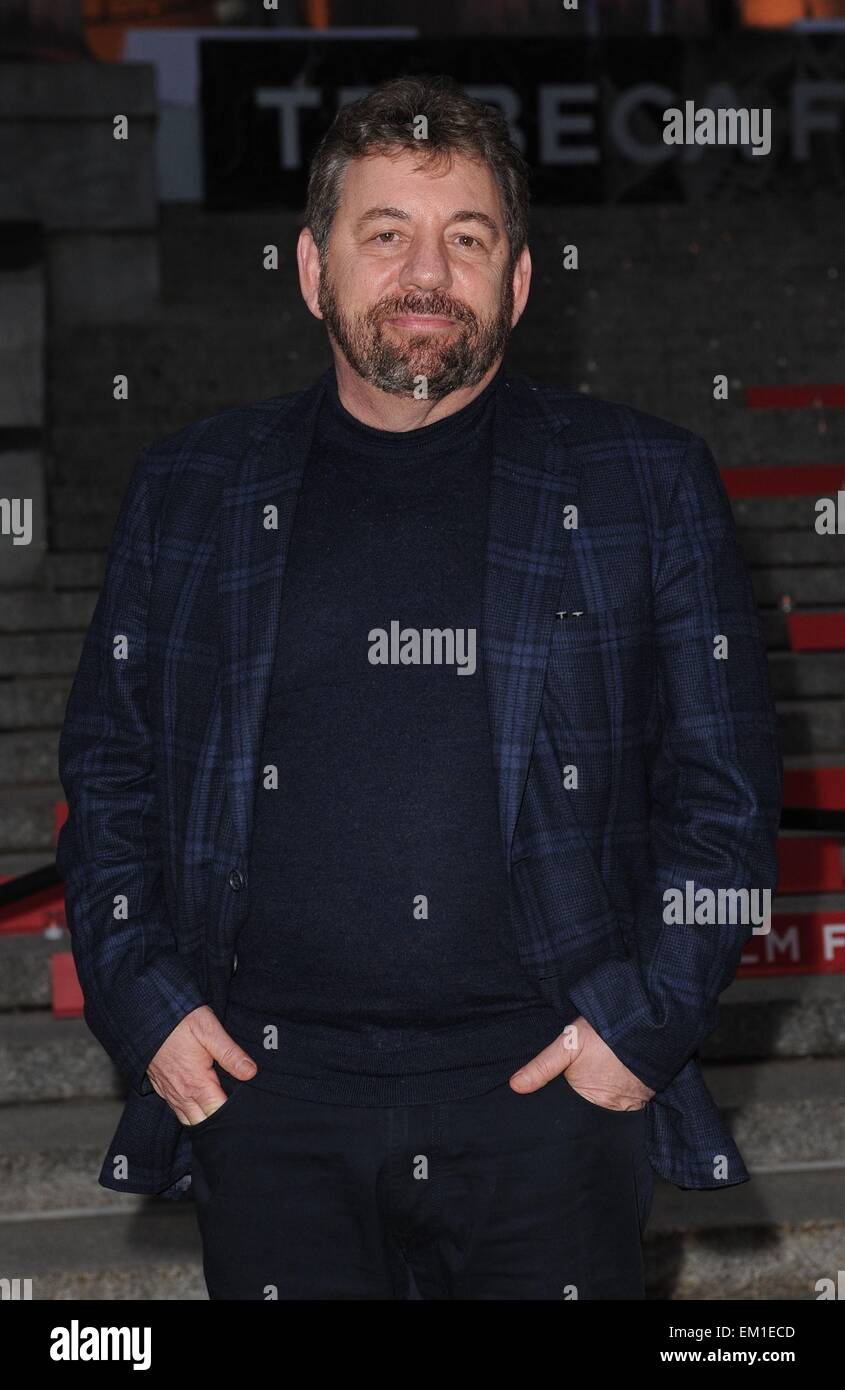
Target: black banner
589, 116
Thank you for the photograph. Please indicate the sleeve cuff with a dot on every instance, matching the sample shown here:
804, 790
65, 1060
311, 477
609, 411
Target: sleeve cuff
614, 1002
165, 995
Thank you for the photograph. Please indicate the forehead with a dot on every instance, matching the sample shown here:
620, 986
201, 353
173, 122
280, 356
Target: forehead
405, 178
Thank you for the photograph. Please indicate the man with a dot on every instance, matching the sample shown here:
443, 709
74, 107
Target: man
408, 701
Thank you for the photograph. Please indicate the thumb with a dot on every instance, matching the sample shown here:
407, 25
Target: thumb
553, 1060
541, 1069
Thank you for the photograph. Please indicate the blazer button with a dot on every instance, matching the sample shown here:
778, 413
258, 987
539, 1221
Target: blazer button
236, 880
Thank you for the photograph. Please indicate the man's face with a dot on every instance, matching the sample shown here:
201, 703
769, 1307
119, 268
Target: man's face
415, 281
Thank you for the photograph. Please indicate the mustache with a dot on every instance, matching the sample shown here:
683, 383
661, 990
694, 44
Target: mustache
434, 305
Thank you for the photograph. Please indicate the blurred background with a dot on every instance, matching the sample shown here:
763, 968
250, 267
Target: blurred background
145, 257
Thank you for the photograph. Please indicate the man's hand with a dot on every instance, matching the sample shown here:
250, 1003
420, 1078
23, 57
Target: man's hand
592, 1069
182, 1070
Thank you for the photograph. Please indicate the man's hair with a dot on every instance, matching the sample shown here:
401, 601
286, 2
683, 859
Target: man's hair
383, 123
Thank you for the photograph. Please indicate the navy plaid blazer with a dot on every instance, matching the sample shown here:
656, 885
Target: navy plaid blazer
612, 564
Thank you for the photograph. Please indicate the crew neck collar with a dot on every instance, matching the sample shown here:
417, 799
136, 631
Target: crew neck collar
442, 435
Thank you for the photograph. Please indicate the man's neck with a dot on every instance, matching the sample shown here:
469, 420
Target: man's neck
384, 411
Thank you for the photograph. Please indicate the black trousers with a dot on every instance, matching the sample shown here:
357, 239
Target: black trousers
500, 1196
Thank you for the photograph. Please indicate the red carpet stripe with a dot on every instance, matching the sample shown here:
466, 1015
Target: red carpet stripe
791, 480
794, 397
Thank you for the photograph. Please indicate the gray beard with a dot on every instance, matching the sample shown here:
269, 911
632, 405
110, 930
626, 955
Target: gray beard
463, 361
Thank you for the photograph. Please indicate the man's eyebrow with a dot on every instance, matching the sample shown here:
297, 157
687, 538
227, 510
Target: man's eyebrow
376, 214
462, 215
475, 215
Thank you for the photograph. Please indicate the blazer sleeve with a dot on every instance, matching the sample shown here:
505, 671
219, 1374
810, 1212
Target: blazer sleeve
135, 984
716, 783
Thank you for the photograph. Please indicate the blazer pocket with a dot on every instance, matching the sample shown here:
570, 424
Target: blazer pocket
623, 622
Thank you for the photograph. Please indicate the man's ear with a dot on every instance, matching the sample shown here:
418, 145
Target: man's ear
521, 284
308, 264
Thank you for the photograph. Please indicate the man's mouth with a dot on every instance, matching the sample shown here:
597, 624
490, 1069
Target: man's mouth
421, 322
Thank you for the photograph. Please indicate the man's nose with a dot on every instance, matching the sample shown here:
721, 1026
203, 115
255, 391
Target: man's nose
426, 266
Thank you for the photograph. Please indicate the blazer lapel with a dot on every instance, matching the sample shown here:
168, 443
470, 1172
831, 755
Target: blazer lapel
527, 550
252, 551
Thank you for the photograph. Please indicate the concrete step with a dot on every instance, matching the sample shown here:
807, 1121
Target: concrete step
25, 970
38, 610
102, 457
75, 569
230, 242
152, 1254
42, 1058
771, 1238
783, 1113
28, 757
27, 820
224, 373
780, 1017
51, 1154
806, 726
806, 585
767, 548
84, 513
76, 533
20, 861
30, 654
793, 516
79, 499
33, 702
807, 675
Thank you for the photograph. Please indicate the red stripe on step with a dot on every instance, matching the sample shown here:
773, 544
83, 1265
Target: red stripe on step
816, 632
791, 480
820, 787
36, 912
794, 397
809, 866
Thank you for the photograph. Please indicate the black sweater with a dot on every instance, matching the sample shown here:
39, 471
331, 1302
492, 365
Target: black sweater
377, 965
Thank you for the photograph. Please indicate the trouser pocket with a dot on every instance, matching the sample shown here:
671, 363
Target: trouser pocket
234, 1089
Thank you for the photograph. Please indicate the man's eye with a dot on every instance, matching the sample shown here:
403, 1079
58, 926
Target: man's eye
462, 237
